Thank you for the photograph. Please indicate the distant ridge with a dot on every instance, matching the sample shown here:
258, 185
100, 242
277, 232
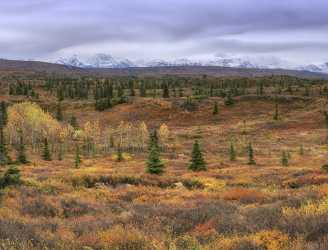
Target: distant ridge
53, 68
36, 67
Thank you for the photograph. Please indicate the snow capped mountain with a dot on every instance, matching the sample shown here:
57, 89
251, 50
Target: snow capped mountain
96, 61
108, 61
71, 61
321, 68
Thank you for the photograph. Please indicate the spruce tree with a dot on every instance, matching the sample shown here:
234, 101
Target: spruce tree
3, 114
60, 151
10, 177
73, 122
326, 118
21, 154
284, 158
4, 157
232, 152
77, 160
154, 163
276, 112
197, 161
59, 113
228, 101
119, 154
251, 160
215, 108
166, 92
153, 140
46, 155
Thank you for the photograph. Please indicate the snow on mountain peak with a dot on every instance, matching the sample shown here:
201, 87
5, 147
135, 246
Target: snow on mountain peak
102, 60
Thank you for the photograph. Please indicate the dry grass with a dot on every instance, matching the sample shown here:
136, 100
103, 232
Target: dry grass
114, 205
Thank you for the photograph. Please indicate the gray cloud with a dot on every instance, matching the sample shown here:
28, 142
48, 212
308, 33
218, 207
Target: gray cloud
155, 28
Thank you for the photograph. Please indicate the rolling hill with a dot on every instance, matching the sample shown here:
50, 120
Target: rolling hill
16, 66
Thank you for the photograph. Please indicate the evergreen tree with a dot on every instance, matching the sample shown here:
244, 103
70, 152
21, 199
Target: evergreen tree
143, 90
251, 160
232, 152
3, 114
73, 122
119, 155
4, 157
197, 161
228, 101
60, 151
59, 113
77, 157
154, 163
46, 155
215, 108
10, 177
166, 92
21, 154
132, 91
276, 112
326, 118
284, 158
180, 92
153, 140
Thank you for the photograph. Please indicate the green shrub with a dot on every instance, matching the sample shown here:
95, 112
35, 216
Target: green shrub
325, 168
10, 177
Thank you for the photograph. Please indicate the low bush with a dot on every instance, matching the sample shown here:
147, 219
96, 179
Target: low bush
10, 177
244, 195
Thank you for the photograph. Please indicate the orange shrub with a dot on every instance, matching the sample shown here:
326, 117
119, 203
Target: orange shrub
118, 238
244, 195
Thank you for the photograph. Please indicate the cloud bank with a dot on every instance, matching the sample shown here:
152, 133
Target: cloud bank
296, 30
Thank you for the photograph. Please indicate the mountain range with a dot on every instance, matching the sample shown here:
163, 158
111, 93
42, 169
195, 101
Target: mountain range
107, 61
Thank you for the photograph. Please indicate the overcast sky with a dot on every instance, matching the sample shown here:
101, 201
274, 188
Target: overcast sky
295, 30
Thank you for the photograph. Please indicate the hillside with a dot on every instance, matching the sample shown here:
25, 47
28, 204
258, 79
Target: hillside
80, 157
13, 66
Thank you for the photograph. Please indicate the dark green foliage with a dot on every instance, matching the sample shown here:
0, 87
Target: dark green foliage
46, 155
153, 140
107, 103
154, 163
326, 118
250, 150
60, 151
197, 161
59, 113
21, 154
228, 101
77, 160
73, 122
3, 114
232, 152
180, 92
166, 92
325, 168
143, 90
276, 112
119, 154
189, 104
284, 159
215, 108
120, 91
131, 86
193, 184
4, 157
10, 177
